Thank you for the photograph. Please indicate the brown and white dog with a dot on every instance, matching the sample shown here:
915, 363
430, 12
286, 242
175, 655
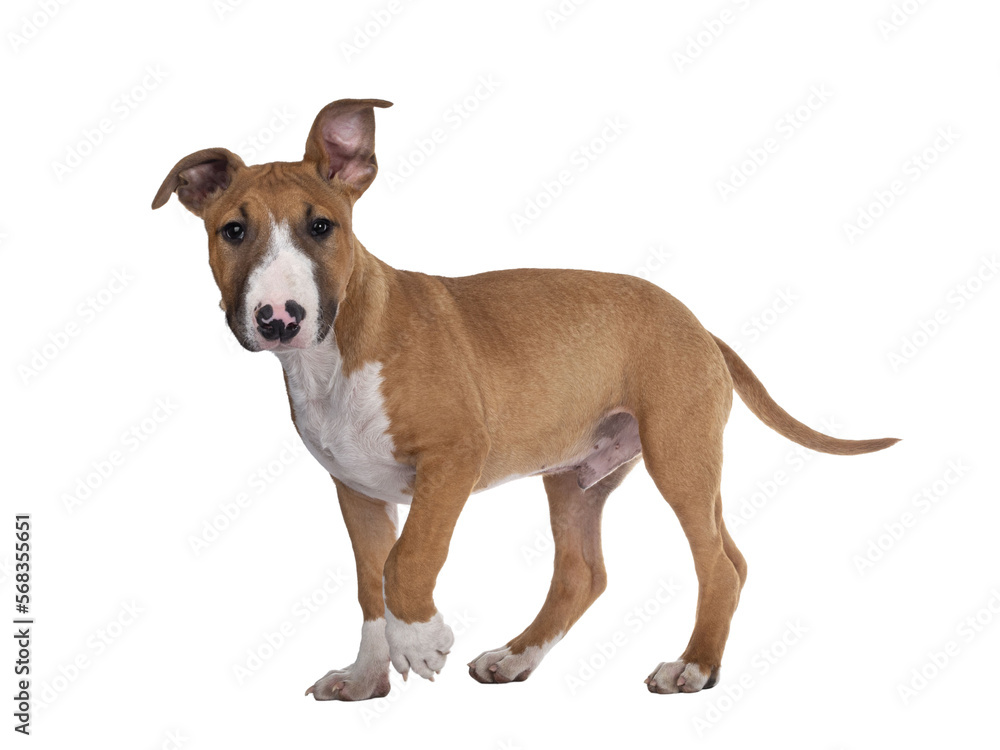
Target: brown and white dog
422, 390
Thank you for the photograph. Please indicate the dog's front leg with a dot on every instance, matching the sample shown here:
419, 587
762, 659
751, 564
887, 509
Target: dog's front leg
371, 525
418, 637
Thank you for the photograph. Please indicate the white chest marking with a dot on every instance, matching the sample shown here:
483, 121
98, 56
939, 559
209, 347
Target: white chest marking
343, 423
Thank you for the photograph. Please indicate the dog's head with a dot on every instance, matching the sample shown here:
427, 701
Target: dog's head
280, 242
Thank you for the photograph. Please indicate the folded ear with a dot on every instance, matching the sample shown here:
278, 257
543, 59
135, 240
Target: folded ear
342, 142
199, 178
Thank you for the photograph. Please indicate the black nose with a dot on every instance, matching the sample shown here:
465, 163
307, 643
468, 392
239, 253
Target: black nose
282, 326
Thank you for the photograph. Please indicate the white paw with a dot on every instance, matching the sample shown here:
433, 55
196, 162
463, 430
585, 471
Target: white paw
367, 677
420, 646
352, 683
680, 677
500, 665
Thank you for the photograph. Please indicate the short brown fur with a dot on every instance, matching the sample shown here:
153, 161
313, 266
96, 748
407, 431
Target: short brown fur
504, 374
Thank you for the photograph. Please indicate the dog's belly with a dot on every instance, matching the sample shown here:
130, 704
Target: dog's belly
343, 423
359, 453
612, 441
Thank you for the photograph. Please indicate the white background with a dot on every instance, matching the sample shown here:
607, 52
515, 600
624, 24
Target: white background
653, 190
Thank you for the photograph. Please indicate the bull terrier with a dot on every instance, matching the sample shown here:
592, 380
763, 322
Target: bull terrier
423, 390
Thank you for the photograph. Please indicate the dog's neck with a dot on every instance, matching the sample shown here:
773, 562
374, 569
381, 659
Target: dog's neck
363, 315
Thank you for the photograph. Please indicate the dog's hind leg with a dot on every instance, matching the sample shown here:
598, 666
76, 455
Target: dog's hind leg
682, 449
578, 578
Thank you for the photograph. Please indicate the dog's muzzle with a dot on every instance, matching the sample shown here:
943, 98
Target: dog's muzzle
279, 325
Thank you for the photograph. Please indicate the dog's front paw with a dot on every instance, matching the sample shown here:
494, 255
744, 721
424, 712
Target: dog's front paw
367, 677
420, 646
681, 677
352, 683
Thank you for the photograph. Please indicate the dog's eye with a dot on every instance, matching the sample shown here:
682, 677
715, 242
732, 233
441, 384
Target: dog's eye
320, 227
233, 231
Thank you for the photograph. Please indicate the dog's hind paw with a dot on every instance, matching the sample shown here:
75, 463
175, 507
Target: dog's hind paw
501, 665
681, 677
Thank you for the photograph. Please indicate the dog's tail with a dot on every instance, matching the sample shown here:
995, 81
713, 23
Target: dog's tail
759, 401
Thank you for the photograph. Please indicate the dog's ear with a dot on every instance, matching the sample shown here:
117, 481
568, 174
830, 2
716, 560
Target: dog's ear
199, 178
342, 143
